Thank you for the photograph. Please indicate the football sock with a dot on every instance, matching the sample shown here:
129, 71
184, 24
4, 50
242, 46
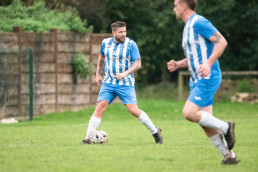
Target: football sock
93, 125
233, 154
208, 120
218, 141
144, 119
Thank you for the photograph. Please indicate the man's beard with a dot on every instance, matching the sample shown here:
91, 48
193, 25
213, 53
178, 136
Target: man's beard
121, 40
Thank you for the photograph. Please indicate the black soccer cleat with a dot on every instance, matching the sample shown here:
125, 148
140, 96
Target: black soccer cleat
86, 141
158, 137
230, 135
229, 160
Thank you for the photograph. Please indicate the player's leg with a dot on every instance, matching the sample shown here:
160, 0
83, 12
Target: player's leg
95, 119
145, 120
208, 120
142, 116
128, 97
215, 136
201, 95
193, 113
105, 97
218, 140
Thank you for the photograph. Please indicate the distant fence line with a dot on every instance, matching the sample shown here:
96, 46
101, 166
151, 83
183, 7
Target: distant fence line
186, 73
55, 89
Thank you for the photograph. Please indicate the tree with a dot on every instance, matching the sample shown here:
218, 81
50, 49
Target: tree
39, 18
152, 24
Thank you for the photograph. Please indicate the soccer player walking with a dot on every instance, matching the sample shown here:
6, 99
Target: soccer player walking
203, 45
121, 58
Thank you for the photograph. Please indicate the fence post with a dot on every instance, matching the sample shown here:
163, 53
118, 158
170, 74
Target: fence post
18, 30
56, 66
31, 83
90, 61
180, 86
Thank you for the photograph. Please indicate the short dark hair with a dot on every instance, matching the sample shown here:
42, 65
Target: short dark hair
117, 24
192, 4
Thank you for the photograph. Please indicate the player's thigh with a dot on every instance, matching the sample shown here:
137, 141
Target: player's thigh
107, 93
126, 94
190, 109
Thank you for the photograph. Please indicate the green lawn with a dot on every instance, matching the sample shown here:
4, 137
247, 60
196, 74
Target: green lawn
52, 142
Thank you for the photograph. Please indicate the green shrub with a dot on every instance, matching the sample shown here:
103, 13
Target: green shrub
160, 90
39, 18
80, 66
245, 86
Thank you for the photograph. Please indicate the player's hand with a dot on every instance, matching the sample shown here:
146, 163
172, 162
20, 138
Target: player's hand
98, 79
119, 76
204, 70
172, 65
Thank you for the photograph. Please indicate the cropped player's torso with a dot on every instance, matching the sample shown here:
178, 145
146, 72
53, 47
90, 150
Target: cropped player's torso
197, 47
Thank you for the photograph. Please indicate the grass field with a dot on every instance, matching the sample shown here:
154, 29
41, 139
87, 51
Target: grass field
52, 142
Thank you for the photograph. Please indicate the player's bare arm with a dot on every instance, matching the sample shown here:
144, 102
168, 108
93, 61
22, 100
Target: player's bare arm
174, 65
136, 66
100, 68
220, 45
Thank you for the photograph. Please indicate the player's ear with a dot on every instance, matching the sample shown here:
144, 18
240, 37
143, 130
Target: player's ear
184, 6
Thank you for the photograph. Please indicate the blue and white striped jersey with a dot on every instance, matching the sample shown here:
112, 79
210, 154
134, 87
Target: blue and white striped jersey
119, 57
197, 47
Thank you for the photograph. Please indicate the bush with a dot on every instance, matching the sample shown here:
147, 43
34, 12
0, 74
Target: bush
162, 90
39, 18
245, 86
80, 66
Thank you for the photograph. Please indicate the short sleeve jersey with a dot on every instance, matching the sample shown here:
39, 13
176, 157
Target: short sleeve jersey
119, 57
197, 47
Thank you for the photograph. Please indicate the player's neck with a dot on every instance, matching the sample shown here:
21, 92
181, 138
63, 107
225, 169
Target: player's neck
187, 15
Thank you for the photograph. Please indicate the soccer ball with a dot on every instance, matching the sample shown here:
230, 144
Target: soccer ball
100, 137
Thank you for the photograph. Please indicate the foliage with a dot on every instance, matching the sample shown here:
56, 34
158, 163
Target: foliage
164, 90
80, 66
153, 25
237, 21
39, 18
245, 86
52, 142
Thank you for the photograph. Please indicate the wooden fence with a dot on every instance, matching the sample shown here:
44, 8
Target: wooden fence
186, 73
55, 89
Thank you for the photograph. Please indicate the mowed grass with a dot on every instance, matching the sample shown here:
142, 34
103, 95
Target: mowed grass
52, 142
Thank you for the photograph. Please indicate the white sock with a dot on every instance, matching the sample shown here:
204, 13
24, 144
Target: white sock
233, 154
93, 125
218, 141
144, 119
208, 120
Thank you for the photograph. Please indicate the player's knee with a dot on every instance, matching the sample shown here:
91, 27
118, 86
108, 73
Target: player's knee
188, 114
134, 111
102, 104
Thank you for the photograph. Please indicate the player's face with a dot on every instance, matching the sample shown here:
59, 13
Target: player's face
178, 9
119, 34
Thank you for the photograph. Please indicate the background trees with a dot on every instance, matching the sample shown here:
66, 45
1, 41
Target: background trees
37, 17
152, 24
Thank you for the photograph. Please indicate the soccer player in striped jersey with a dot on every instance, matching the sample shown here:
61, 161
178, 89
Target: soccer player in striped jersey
120, 57
203, 45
